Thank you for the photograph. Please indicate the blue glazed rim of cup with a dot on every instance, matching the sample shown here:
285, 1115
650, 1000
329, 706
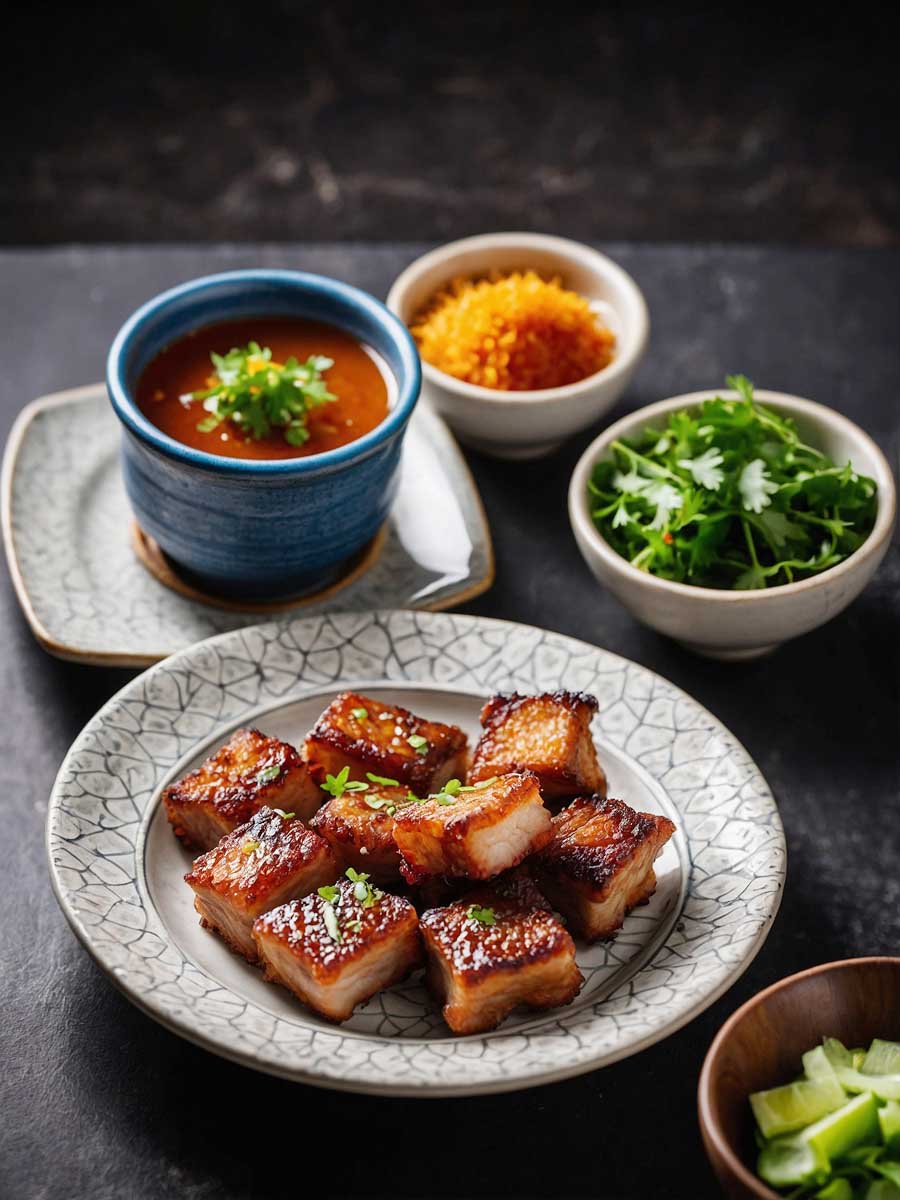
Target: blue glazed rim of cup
135, 340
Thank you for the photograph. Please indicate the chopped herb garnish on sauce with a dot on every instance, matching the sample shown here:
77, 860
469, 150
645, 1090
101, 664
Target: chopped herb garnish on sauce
249, 846
483, 915
726, 495
267, 774
259, 395
360, 713
380, 779
285, 816
328, 892
418, 743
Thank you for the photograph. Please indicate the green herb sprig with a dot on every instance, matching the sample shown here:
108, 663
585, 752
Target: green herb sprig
727, 495
484, 916
258, 395
363, 892
336, 785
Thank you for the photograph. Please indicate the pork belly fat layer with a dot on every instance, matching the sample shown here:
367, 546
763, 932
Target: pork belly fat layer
600, 863
481, 970
548, 734
335, 955
261, 864
477, 832
369, 735
359, 827
251, 770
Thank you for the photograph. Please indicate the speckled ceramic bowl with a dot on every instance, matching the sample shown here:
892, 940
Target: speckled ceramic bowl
523, 425
717, 622
260, 529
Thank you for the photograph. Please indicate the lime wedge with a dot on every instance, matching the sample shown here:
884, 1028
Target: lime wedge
852, 1125
790, 1160
889, 1120
795, 1105
883, 1058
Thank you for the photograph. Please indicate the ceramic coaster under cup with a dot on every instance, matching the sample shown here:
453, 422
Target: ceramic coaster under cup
161, 567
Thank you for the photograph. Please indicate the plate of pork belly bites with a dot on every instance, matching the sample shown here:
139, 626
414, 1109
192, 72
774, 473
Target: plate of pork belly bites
414, 853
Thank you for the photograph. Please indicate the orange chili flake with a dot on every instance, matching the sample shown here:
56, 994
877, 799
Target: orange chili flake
513, 332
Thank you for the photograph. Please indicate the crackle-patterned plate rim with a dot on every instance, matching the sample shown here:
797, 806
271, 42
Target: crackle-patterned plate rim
291, 658
53, 637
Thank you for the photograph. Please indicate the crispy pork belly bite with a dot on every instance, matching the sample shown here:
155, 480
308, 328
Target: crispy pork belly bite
269, 860
475, 831
359, 827
549, 735
371, 736
498, 947
600, 863
338, 948
249, 771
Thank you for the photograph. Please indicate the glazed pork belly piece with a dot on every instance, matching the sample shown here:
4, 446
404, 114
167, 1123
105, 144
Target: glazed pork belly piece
371, 736
477, 831
261, 864
249, 771
549, 735
600, 863
359, 827
338, 948
498, 947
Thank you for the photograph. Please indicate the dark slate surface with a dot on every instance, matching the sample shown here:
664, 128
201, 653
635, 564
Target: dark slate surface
299, 120
98, 1101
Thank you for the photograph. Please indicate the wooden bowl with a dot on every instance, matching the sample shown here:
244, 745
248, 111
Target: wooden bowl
760, 1046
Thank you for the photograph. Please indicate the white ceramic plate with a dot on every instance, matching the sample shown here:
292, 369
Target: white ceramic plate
117, 869
67, 532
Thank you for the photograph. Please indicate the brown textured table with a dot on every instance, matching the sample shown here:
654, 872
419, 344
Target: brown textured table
97, 1101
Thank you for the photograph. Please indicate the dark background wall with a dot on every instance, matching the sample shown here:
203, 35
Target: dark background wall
273, 119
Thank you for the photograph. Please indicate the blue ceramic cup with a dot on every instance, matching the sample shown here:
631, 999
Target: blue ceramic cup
260, 529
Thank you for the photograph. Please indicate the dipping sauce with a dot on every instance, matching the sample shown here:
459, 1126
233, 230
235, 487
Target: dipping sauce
360, 381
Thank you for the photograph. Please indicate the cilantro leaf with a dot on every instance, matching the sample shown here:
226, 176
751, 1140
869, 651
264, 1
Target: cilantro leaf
727, 495
336, 785
485, 916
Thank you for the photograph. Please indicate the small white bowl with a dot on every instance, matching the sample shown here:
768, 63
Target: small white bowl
737, 625
528, 424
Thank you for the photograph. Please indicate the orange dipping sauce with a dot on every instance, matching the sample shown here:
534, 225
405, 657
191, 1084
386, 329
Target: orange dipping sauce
359, 380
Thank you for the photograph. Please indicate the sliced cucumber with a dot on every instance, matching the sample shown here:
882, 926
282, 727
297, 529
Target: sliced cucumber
853, 1125
837, 1053
885, 1087
787, 1161
889, 1120
796, 1105
817, 1064
882, 1058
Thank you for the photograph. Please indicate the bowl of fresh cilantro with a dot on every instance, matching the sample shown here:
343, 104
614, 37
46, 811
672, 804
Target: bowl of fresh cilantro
733, 520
